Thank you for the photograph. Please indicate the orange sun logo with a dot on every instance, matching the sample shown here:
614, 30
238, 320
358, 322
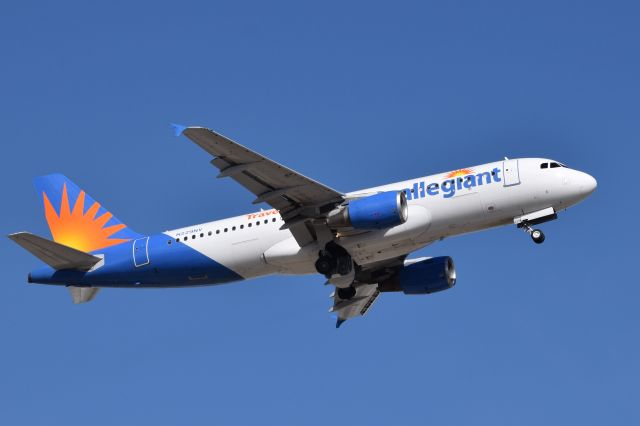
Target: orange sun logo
458, 173
82, 231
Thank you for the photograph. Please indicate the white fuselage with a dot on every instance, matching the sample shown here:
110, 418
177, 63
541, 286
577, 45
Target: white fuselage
440, 206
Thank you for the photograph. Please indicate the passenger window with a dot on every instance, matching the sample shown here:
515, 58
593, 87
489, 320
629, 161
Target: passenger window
249, 225
544, 165
209, 233
241, 226
169, 242
185, 238
217, 231
233, 229
273, 220
266, 221
226, 229
202, 235
257, 223
193, 237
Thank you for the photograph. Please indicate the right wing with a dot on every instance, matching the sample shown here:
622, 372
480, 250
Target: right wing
56, 255
298, 198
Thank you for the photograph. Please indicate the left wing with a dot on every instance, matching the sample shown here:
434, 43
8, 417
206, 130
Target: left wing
298, 198
358, 305
366, 282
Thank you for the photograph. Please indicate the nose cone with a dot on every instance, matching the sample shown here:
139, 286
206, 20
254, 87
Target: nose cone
587, 184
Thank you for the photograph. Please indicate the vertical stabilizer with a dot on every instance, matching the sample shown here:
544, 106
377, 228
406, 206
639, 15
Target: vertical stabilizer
75, 219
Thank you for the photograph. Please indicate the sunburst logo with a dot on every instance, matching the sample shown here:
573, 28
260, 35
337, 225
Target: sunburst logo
458, 173
80, 230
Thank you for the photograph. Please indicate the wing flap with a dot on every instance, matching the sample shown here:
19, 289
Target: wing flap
56, 255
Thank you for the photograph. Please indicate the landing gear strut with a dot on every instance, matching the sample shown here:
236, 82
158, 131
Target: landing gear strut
536, 235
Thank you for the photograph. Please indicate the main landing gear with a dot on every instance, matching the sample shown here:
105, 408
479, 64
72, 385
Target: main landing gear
346, 293
335, 263
536, 235
334, 260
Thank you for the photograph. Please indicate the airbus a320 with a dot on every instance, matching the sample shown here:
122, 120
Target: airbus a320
358, 241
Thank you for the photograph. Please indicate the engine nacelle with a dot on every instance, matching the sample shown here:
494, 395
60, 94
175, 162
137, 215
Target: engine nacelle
379, 211
422, 276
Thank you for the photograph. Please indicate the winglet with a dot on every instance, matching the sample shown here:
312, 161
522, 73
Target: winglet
178, 129
339, 322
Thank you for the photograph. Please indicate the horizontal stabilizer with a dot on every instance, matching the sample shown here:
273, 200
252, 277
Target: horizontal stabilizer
82, 294
56, 255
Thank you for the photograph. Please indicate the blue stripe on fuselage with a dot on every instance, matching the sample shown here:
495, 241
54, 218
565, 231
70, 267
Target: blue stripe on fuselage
170, 265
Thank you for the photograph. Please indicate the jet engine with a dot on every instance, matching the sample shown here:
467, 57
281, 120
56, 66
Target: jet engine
422, 276
379, 211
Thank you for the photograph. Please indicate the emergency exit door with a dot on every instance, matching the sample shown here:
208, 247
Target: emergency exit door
510, 172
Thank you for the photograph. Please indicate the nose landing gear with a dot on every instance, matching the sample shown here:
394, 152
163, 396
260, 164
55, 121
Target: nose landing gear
535, 218
536, 234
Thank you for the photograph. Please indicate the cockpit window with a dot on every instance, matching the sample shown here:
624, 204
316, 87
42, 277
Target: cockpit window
544, 165
555, 165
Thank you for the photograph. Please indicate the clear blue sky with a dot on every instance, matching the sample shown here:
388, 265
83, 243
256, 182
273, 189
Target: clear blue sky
353, 95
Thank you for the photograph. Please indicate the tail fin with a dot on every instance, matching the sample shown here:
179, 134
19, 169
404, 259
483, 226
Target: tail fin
77, 220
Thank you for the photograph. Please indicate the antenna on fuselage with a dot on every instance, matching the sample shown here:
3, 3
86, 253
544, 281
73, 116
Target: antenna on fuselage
506, 158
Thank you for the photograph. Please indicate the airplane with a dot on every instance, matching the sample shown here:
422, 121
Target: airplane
359, 241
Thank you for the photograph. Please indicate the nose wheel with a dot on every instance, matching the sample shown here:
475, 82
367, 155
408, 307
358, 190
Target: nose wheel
536, 234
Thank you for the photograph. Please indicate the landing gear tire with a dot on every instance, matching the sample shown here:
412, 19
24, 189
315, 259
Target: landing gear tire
344, 265
324, 265
346, 293
537, 236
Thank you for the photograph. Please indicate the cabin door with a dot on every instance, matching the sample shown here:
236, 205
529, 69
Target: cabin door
141, 252
510, 173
